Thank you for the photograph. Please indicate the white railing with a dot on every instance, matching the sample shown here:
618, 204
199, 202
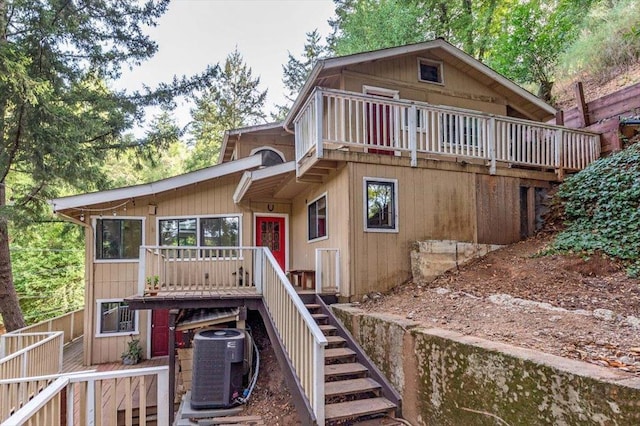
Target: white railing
327, 270
180, 269
411, 127
303, 341
70, 323
91, 397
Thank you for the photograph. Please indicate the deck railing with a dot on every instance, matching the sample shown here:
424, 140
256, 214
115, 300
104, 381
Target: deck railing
411, 127
40, 354
90, 397
180, 269
327, 270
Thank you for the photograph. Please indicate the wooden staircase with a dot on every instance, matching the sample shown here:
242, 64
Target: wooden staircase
354, 389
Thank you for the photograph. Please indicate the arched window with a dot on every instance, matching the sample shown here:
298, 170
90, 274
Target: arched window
270, 157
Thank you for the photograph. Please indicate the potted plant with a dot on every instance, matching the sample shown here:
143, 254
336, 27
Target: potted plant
133, 354
152, 285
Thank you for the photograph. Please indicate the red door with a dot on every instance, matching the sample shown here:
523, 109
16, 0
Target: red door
159, 332
270, 233
380, 126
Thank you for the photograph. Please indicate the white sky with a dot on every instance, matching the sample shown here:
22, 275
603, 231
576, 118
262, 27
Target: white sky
196, 33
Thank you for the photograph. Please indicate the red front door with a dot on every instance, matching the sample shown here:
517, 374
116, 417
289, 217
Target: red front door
270, 233
159, 332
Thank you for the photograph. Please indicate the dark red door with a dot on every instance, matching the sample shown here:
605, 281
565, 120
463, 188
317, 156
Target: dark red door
380, 126
270, 233
159, 332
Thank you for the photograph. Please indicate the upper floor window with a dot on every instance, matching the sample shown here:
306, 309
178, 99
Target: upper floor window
430, 71
118, 238
381, 205
270, 157
317, 216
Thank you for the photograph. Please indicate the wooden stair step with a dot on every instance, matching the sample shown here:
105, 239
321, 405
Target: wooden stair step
346, 369
335, 341
312, 306
358, 408
337, 353
350, 387
328, 329
319, 317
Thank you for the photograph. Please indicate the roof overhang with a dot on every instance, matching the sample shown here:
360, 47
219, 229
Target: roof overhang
328, 66
232, 136
275, 182
101, 197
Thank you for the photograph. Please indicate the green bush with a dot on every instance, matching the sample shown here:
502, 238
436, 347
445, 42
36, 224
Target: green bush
610, 40
602, 209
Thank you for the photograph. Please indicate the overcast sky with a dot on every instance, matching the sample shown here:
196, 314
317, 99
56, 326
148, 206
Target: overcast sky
196, 33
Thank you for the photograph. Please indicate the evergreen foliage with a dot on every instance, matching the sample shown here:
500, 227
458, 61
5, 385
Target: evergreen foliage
58, 119
233, 100
602, 209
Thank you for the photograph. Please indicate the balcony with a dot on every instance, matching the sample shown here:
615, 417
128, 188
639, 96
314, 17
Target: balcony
348, 121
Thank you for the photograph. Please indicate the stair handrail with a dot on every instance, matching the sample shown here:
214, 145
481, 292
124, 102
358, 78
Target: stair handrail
286, 309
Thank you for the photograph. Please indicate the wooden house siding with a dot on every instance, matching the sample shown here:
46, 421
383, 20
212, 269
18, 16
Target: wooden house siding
282, 143
459, 90
339, 223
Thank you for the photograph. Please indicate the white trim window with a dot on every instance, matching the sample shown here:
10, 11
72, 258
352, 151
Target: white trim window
430, 71
205, 231
317, 218
118, 238
115, 318
380, 204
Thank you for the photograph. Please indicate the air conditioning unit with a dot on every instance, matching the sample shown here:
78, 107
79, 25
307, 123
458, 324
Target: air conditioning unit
218, 358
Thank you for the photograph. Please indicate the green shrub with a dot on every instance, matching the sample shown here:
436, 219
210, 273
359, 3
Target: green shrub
610, 39
602, 209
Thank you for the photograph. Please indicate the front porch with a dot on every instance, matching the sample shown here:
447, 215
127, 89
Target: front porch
333, 120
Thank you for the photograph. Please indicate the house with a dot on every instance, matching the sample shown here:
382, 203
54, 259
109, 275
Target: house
380, 149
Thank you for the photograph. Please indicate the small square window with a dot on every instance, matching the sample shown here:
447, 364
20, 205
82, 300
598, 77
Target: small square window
381, 205
430, 71
116, 317
317, 216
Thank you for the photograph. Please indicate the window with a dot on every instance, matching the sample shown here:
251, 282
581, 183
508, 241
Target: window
430, 71
116, 317
381, 201
317, 215
217, 231
118, 238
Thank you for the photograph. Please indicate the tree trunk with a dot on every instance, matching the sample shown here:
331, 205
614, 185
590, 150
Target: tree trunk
9, 306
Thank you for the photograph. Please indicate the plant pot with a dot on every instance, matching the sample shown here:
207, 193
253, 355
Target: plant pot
127, 360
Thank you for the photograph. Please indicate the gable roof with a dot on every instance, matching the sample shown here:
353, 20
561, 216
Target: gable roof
471, 66
100, 197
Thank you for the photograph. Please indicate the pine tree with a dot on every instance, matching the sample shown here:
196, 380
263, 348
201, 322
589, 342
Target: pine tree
58, 119
234, 100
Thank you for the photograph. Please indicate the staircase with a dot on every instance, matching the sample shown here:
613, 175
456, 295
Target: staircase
355, 390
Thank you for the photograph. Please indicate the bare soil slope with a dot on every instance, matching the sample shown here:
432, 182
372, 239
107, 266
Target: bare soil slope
578, 308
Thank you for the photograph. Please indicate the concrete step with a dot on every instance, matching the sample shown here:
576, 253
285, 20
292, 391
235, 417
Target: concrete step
351, 369
358, 408
350, 387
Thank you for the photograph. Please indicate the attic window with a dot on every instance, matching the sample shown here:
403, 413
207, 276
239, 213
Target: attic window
430, 71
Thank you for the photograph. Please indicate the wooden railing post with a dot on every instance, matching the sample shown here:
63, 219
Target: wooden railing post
413, 130
319, 273
318, 123
318, 383
559, 154
142, 264
492, 145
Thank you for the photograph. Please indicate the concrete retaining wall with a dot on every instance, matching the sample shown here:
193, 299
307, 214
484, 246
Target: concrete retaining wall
447, 378
431, 258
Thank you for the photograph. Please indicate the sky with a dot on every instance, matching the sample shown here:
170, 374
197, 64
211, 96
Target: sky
196, 33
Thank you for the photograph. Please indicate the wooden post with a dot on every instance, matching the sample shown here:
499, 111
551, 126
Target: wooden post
583, 112
560, 118
173, 313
